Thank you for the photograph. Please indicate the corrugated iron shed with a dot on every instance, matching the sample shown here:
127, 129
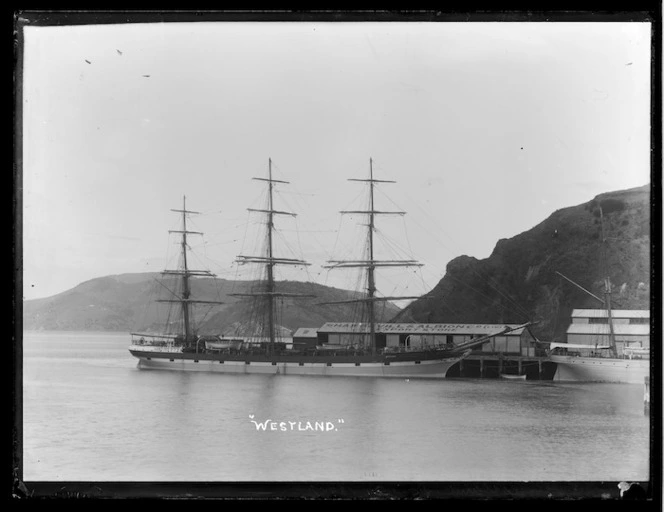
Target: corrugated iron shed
615, 313
618, 329
306, 332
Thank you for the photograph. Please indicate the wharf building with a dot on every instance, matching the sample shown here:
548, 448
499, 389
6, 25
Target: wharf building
631, 328
518, 349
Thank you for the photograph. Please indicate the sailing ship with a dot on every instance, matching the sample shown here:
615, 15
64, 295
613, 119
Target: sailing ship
265, 352
605, 361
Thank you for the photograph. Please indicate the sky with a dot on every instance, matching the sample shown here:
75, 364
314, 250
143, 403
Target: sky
486, 128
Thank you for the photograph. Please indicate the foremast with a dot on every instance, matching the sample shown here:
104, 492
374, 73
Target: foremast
371, 264
185, 273
269, 260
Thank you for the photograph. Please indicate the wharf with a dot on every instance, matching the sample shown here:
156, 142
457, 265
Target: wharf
491, 366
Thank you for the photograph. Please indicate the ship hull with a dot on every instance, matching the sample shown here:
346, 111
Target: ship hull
331, 366
593, 369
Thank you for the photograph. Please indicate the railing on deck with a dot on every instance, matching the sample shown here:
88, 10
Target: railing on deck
153, 348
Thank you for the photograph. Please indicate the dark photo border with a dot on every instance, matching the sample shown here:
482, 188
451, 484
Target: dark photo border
452, 491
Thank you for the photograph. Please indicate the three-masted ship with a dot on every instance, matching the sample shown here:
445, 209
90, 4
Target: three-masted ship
262, 350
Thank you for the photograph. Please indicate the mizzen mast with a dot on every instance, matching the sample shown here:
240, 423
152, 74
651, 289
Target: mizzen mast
370, 264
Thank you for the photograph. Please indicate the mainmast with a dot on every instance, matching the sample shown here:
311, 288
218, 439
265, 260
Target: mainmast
269, 259
371, 264
185, 273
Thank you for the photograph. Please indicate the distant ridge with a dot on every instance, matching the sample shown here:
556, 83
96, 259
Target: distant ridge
124, 302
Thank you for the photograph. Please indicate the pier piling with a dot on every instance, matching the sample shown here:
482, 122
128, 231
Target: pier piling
492, 365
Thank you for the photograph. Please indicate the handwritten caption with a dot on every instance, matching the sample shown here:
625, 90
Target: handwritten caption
297, 426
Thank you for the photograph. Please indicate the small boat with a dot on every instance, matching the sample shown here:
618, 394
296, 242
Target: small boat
222, 343
511, 376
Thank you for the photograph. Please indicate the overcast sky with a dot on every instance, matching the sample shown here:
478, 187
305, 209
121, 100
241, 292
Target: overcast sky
488, 128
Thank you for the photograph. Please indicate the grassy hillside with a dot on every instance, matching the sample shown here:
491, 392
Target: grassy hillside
127, 303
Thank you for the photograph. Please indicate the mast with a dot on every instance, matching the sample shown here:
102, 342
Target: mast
270, 263
270, 260
607, 288
371, 283
186, 290
371, 264
185, 273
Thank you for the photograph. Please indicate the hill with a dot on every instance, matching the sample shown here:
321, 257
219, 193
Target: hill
519, 281
126, 302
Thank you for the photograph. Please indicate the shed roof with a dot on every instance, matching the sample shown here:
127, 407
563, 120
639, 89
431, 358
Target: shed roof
412, 328
615, 313
306, 332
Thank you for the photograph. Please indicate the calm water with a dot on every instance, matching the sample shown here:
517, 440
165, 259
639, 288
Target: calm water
89, 414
